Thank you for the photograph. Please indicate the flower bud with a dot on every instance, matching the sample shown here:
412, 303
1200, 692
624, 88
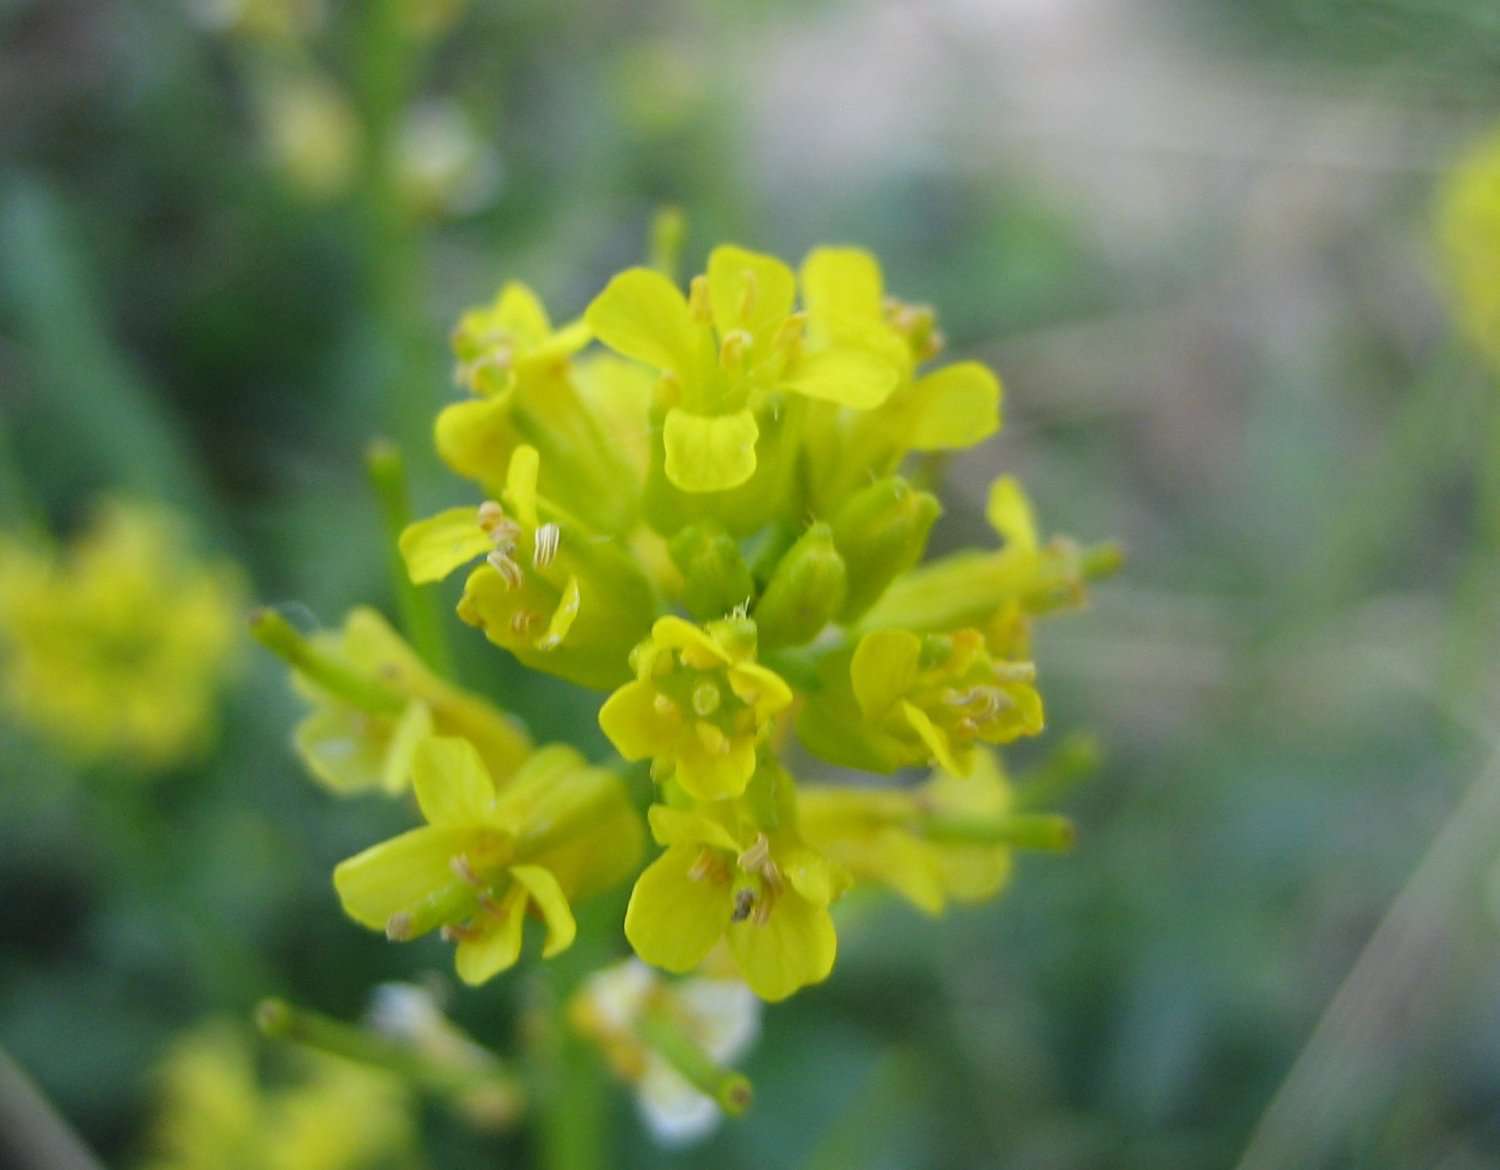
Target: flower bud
806, 590
715, 578
881, 532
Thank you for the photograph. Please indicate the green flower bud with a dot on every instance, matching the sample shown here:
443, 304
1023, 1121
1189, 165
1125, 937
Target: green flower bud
881, 532
805, 592
715, 577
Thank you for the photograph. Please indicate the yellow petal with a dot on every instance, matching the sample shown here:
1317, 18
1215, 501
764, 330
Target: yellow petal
709, 453
414, 726
497, 947
883, 669
794, 947
1009, 513
633, 724
761, 687
846, 376
434, 547
642, 315
342, 748
958, 406
520, 312
396, 874
935, 739
677, 633
680, 826
842, 284
810, 873
453, 786
673, 921
475, 438
748, 290
520, 484
709, 773
548, 897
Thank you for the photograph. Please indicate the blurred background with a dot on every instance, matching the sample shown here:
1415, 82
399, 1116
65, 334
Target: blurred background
1198, 242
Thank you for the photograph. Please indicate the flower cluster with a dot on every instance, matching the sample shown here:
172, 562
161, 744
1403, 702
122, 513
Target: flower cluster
697, 503
115, 646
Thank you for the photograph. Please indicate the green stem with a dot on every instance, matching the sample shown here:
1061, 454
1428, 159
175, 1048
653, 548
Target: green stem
730, 1089
279, 1020
420, 617
276, 634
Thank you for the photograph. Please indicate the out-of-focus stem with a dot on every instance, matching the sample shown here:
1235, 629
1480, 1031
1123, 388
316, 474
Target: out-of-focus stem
277, 635
1073, 762
730, 1089
1041, 831
279, 1020
420, 617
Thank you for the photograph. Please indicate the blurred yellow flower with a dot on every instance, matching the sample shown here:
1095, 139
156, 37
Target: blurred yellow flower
214, 1113
947, 839
116, 647
1469, 235
361, 741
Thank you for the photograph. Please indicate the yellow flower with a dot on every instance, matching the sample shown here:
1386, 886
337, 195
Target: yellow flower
1469, 235
625, 1008
911, 699
763, 892
215, 1114
950, 838
728, 355
997, 591
556, 830
949, 408
698, 706
530, 393
116, 648
553, 592
364, 746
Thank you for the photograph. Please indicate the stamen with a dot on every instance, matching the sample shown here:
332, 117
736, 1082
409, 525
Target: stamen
733, 348
398, 927
698, 300
754, 859
507, 568
744, 903
544, 546
491, 516
459, 864
457, 932
748, 293
663, 705
522, 620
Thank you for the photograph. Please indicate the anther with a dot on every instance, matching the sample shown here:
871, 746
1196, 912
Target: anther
754, 859
663, 705
398, 927
1015, 672
459, 864
544, 545
744, 902
748, 293
702, 866
522, 620
733, 348
455, 932
507, 568
491, 515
